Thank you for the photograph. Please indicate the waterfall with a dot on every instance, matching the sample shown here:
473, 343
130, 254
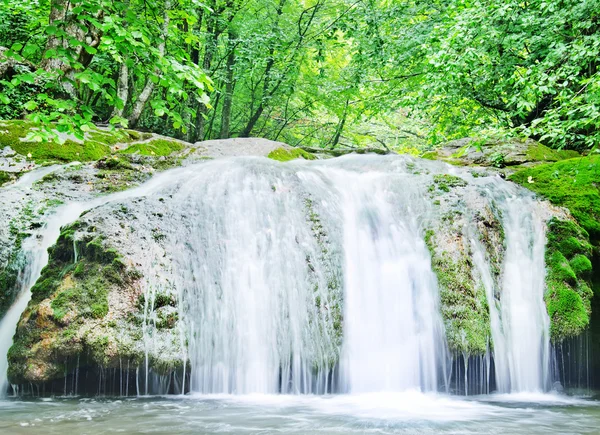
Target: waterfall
253, 281
393, 337
314, 277
519, 320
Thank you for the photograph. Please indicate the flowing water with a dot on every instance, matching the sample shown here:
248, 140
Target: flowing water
519, 321
381, 414
272, 261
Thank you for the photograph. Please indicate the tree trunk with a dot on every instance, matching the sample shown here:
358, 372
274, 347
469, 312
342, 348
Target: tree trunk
340, 128
122, 90
229, 87
212, 28
60, 14
261, 106
149, 86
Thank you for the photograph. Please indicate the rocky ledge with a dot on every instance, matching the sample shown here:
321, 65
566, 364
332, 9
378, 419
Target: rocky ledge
107, 283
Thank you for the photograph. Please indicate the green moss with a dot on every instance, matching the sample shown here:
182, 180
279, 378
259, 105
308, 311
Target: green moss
463, 304
16, 131
581, 266
559, 268
114, 164
574, 184
78, 293
96, 144
163, 300
138, 135
167, 321
571, 183
156, 147
5, 178
111, 138
285, 155
430, 155
69, 151
567, 311
537, 152
47, 283
568, 293
445, 182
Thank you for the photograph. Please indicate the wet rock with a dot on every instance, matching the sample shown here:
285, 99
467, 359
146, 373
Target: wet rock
497, 154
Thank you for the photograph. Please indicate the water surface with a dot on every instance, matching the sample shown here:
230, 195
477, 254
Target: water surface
381, 413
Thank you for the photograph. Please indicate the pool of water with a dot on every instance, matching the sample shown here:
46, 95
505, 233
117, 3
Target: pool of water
382, 413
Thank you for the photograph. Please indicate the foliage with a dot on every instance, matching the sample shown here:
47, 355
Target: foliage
156, 147
62, 61
530, 65
325, 73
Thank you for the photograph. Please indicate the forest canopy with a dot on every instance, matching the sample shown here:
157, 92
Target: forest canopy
307, 72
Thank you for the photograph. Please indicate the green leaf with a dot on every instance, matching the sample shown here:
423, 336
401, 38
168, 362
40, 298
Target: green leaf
51, 30
30, 105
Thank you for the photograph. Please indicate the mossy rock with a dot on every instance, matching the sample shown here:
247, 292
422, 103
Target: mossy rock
5, 177
568, 293
285, 155
447, 182
156, 147
567, 310
464, 305
572, 183
68, 314
510, 152
581, 266
97, 143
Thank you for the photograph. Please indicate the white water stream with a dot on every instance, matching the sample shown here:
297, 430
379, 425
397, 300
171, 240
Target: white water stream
393, 338
519, 320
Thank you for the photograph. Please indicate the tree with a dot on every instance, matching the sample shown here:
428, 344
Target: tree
86, 44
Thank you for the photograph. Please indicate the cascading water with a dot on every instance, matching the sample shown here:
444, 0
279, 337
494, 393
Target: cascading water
393, 339
519, 320
314, 277
258, 286
253, 286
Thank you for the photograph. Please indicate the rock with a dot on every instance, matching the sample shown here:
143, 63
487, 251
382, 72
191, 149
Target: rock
237, 147
98, 143
107, 298
91, 305
497, 154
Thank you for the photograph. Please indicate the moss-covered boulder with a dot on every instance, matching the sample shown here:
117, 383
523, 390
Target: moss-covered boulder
463, 303
98, 143
497, 153
87, 308
573, 184
568, 292
572, 247
463, 299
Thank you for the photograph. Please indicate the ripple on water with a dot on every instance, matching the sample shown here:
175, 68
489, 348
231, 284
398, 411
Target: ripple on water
381, 413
